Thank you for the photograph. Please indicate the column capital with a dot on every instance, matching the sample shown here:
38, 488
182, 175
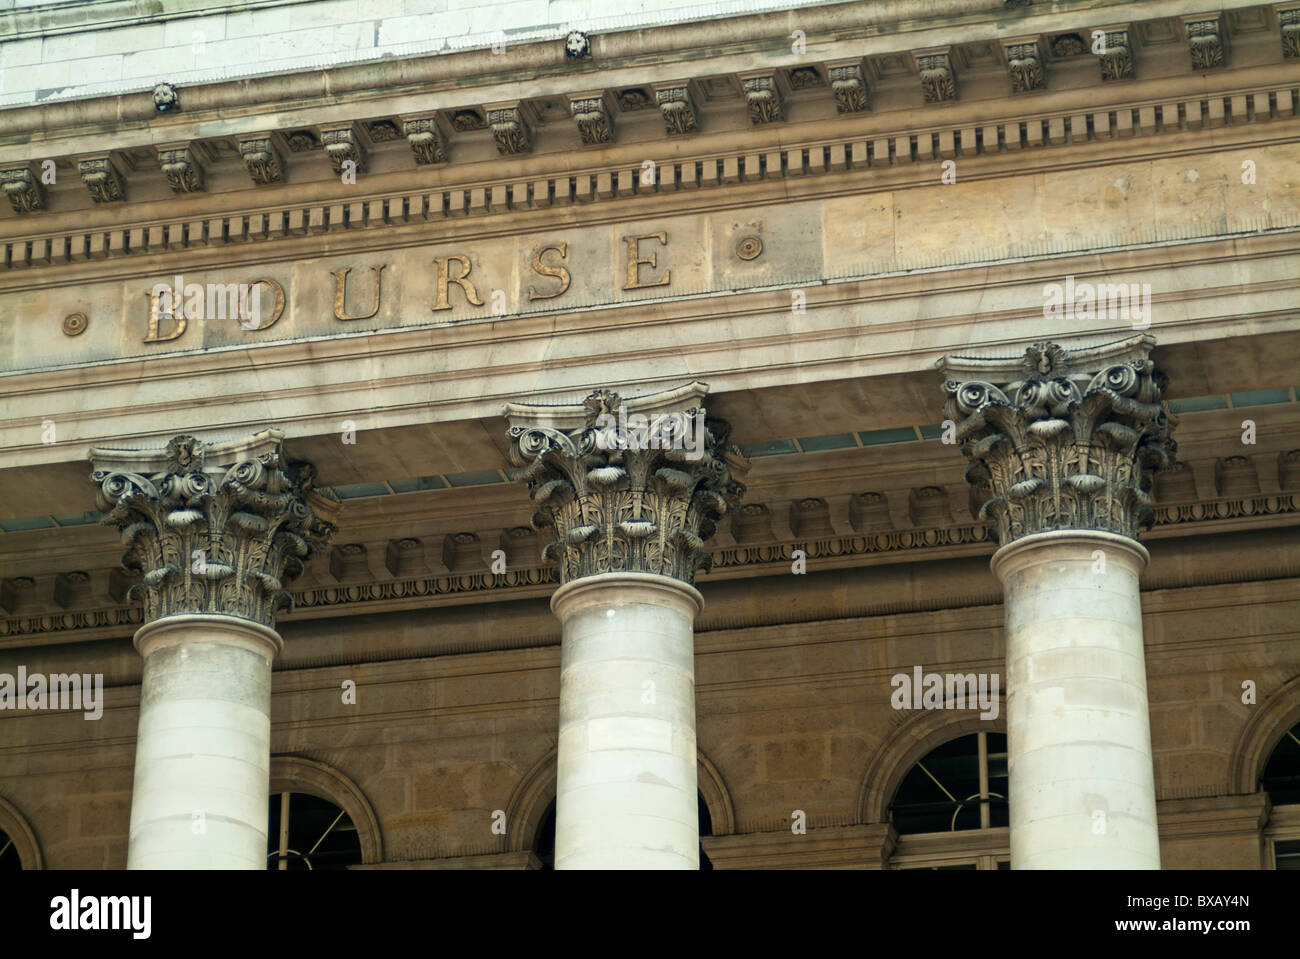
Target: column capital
1062, 439
215, 528
630, 486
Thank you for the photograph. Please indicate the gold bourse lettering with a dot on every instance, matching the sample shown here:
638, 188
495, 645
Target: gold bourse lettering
634, 261
559, 272
461, 279
276, 290
340, 292
177, 315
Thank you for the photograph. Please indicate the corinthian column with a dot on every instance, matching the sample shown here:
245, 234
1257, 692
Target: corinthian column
1064, 445
629, 503
215, 530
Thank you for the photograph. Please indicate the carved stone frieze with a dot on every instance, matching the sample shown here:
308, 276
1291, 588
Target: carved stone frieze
300, 141
404, 557
71, 589
217, 528
849, 88
678, 110
349, 561
595, 125
801, 78
928, 506
764, 99
1116, 56
622, 500
426, 141
1068, 45
1025, 67
632, 99
103, 180
1206, 42
461, 552
938, 80
262, 160
1288, 470
810, 516
1177, 483
510, 130
182, 170
752, 523
462, 121
869, 512
24, 190
756, 549
343, 145
1062, 440
1235, 476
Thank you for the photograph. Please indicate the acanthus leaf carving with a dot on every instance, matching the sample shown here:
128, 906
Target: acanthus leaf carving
425, 140
214, 529
763, 99
24, 190
595, 125
183, 172
1061, 441
616, 506
678, 110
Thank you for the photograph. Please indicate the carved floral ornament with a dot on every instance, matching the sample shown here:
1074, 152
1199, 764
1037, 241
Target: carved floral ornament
216, 529
615, 507
1070, 441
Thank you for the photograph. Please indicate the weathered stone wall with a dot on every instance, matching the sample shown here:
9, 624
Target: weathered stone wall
793, 703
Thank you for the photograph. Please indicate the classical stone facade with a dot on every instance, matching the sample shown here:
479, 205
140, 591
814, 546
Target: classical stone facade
827, 436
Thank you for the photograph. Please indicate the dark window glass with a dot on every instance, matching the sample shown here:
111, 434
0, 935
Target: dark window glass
941, 793
321, 835
9, 860
1281, 778
1287, 854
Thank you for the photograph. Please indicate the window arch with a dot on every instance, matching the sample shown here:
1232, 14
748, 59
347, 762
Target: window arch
1280, 779
950, 809
9, 859
18, 848
316, 795
1281, 775
307, 832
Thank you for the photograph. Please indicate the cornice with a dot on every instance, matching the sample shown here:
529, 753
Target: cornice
730, 562
895, 25
105, 243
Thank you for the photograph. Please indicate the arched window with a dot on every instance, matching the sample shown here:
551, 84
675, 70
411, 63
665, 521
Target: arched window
1281, 780
307, 832
544, 843
18, 848
950, 811
9, 858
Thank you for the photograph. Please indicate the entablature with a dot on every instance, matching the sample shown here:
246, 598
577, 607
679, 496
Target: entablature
656, 93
